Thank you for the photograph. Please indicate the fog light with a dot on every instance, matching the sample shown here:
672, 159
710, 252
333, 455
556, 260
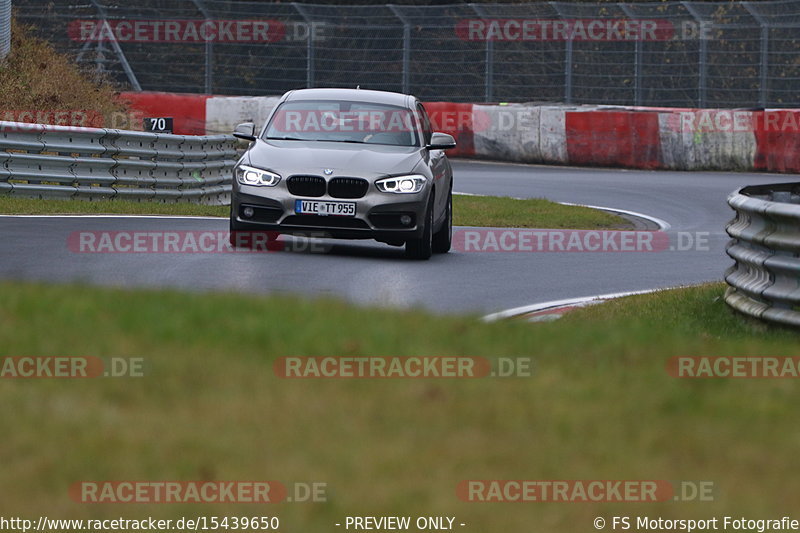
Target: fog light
405, 220
248, 212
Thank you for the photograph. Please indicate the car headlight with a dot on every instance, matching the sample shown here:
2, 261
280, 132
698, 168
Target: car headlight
256, 176
402, 184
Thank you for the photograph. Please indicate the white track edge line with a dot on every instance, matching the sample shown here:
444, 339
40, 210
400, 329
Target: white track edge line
663, 224
526, 309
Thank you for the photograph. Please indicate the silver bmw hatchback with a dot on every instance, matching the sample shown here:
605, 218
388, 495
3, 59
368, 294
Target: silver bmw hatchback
348, 164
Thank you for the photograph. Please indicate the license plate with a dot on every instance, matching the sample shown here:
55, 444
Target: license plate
334, 209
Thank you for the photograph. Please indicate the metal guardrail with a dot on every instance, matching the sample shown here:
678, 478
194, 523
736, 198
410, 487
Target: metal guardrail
44, 161
764, 281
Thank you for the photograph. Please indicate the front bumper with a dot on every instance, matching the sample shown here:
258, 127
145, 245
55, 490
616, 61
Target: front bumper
377, 214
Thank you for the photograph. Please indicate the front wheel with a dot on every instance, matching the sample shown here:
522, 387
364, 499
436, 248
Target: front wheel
443, 239
422, 248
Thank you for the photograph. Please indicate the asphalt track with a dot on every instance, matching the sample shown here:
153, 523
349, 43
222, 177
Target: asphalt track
365, 272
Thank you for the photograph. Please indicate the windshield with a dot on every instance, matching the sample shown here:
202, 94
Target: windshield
343, 121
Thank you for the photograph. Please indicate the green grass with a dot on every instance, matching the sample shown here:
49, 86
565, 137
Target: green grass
503, 212
600, 406
484, 211
28, 206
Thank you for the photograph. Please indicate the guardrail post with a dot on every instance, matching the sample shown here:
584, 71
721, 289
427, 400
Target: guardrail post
406, 83
567, 59
126, 67
488, 59
310, 67
209, 50
764, 49
702, 59
637, 59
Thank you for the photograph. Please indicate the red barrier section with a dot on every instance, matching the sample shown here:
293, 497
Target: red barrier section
455, 119
777, 140
613, 138
187, 110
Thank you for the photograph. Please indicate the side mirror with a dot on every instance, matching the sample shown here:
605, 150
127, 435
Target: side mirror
245, 131
441, 141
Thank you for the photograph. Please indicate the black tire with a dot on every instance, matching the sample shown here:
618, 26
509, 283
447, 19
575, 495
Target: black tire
422, 248
443, 239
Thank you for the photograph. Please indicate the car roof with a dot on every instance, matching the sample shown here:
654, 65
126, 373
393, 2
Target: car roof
360, 95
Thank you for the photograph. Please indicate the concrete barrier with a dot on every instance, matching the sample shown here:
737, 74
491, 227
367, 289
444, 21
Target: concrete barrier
553, 135
223, 113
778, 137
613, 138
507, 132
707, 139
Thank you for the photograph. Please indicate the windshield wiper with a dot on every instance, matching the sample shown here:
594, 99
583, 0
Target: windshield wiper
286, 139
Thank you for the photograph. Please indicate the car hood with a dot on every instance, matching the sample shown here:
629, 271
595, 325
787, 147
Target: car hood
307, 157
